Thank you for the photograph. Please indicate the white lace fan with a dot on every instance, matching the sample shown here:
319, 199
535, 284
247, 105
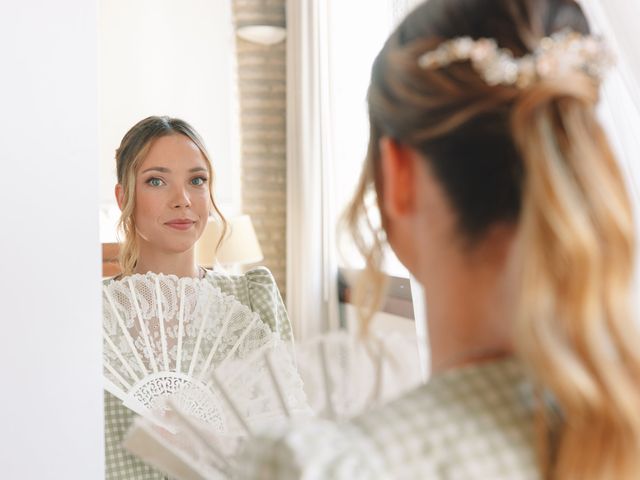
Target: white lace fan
343, 376
164, 336
188, 449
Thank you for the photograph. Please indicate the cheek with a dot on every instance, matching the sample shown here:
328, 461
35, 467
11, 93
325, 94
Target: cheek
145, 207
202, 201
141, 203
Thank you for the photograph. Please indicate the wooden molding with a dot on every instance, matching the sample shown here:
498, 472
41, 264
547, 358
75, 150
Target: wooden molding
397, 301
110, 266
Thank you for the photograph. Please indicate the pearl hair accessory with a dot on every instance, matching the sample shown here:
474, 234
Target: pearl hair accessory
561, 52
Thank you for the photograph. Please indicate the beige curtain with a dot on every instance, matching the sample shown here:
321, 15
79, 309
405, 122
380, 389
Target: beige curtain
311, 264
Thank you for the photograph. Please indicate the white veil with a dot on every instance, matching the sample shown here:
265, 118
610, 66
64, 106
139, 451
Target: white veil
619, 109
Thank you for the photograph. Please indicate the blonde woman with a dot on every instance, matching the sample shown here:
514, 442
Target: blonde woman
499, 191
165, 193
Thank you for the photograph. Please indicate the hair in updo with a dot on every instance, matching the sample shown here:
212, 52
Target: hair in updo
538, 158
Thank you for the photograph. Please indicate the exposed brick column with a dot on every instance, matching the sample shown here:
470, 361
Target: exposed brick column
262, 89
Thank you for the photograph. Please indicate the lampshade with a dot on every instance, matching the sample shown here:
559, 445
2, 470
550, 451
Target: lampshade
240, 245
262, 34
261, 21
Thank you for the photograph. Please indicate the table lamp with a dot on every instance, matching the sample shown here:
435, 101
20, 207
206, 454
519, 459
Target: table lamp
239, 247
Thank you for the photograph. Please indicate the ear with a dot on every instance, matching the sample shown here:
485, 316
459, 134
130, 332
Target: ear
119, 195
398, 165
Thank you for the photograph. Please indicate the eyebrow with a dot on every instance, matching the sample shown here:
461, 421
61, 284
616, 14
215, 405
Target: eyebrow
166, 170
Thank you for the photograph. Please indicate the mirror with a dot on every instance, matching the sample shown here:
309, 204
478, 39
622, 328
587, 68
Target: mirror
184, 60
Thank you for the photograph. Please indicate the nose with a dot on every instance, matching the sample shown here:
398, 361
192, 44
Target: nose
180, 198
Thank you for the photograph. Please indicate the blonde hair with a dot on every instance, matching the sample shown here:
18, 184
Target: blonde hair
129, 156
538, 158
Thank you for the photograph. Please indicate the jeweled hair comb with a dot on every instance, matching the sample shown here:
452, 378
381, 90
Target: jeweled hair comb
557, 54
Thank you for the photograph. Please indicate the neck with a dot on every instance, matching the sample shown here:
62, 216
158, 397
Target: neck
471, 333
181, 264
469, 310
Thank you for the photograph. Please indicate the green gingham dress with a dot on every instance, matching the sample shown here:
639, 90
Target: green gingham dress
475, 422
256, 289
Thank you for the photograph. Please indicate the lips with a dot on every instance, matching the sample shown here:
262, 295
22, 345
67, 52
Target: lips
180, 223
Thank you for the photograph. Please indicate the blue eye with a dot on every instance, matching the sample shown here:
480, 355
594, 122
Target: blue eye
155, 182
198, 181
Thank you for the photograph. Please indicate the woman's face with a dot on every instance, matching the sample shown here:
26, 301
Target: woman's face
172, 199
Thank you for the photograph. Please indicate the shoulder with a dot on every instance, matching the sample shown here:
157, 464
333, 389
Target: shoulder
258, 290
258, 275
470, 423
256, 283
260, 271
476, 416
261, 276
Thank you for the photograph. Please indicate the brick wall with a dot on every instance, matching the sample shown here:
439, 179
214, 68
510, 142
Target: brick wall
262, 89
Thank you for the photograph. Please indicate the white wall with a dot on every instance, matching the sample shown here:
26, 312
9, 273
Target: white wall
51, 390
164, 57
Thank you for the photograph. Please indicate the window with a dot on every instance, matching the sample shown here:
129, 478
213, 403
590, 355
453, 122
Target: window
358, 30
